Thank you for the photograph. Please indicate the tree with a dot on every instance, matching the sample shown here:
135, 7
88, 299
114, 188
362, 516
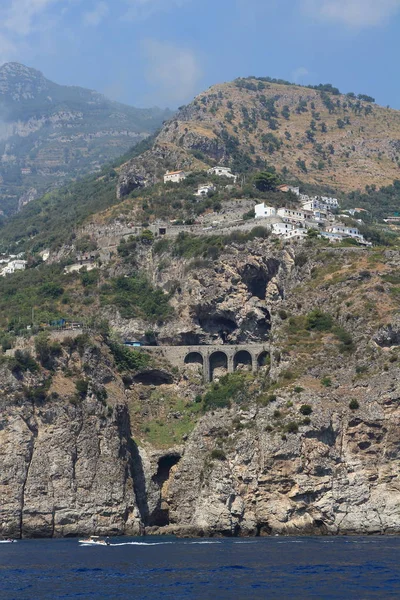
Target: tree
147, 237
310, 135
340, 123
266, 181
324, 128
301, 165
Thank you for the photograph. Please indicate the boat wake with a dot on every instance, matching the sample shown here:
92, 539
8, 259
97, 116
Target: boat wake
142, 544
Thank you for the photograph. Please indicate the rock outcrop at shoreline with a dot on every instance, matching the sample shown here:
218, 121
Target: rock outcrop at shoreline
65, 467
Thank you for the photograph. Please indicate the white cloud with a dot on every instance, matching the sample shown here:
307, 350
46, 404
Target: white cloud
96, 16
173, 71
299, 74
143, 9
352, 13
20, 15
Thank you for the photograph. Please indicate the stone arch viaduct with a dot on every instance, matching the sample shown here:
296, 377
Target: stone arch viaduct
212, 357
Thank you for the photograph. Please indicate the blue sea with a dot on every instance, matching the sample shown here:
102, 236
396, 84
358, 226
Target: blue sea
152, 568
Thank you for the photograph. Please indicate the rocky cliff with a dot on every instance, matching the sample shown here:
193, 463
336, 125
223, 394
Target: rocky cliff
95, 438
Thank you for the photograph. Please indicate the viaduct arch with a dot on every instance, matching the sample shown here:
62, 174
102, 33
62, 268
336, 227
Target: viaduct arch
250, 357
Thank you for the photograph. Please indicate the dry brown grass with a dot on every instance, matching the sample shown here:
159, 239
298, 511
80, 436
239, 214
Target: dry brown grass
372, 157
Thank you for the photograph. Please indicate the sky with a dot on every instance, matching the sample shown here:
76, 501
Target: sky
164, 52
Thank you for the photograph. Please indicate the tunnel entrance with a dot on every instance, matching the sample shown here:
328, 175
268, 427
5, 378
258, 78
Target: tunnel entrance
160, 516
218, 361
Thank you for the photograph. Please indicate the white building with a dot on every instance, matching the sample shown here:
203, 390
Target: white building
342, 229
295, 234
12, 266
332, 202
339, 232
282, 228
222, 172
204, 190
174, 176
292, 214
262, 211
314, 204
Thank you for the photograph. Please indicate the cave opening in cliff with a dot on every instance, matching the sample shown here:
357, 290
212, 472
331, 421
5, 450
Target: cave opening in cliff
256, 278
189, 339
160, 516
154, 377
218, 324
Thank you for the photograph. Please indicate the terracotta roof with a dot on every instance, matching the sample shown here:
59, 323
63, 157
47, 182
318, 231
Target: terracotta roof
173, 172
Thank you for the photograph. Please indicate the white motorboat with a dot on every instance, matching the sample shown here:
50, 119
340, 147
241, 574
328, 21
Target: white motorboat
95, 540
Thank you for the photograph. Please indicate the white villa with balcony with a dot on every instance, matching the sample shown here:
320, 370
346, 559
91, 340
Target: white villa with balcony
222, 172
174, 176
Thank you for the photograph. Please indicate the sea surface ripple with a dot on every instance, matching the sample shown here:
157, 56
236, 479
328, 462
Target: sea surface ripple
165, 568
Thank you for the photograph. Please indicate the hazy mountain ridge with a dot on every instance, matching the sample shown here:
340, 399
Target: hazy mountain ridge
50, 133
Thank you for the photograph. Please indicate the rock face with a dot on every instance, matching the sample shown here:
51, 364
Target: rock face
310, 447
68, 472
331, 478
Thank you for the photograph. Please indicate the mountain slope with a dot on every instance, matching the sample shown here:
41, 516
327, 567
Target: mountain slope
50, 133
317, 135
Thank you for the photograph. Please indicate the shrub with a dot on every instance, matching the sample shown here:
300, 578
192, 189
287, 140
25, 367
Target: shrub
292, 427
298, 389
283, 314
300, 259
218, 454
326, 382
277, 414
162, 245
127, 359
319, 321
46, 351
288, 375
306, 409
306, 421
23, 362
354, 405
347, 344
82, 386
231, 387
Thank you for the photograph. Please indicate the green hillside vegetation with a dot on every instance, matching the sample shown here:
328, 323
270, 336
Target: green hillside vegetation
44, 294
52, 220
